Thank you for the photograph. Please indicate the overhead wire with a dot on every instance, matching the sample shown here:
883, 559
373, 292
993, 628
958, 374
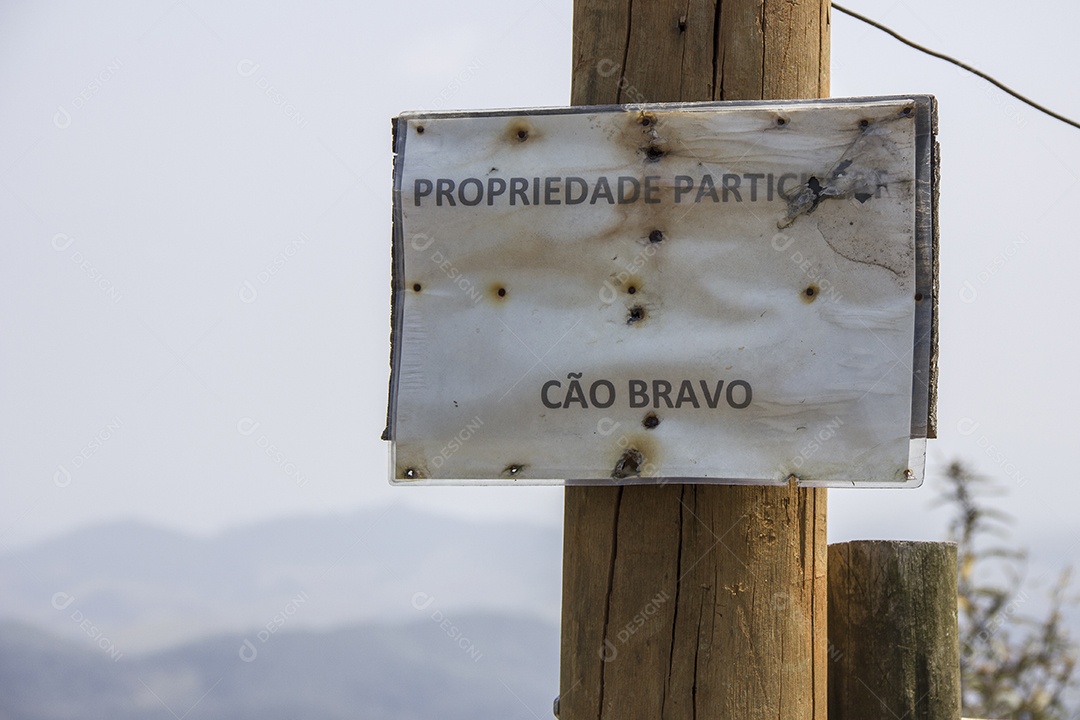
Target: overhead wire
958, 63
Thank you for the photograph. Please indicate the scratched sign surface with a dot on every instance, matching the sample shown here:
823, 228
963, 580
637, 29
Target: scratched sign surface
717, 292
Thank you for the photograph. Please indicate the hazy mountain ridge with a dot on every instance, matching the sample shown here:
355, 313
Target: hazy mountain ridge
507, 668
143, 587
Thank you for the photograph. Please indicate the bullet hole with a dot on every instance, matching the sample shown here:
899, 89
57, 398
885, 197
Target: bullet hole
918, 297
631, 289
647, 120
864, 123
417, 287
656, 236
810, 293
781, 121
501, 292
906, 112
682, 24
513, 470
650, 421
653, 154
518, 129
637, 314
629, 464
410, 474
419, 129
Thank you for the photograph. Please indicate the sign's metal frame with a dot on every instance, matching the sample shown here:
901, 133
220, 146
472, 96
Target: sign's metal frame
925, 351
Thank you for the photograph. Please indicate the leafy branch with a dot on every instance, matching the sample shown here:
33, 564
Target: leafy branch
1012, 665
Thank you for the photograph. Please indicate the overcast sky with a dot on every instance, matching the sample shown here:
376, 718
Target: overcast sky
195, 203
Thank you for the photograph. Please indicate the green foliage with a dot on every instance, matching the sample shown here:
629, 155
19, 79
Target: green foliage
1012, 664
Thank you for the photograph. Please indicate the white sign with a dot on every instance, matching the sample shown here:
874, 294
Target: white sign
721, 292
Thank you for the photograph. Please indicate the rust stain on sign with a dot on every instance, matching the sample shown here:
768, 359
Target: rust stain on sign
721, 292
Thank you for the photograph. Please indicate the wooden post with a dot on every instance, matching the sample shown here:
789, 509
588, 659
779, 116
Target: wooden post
893, 631
685, 601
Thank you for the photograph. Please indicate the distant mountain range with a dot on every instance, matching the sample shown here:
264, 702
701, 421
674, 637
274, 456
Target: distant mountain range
477, 666
389, 614
142, 588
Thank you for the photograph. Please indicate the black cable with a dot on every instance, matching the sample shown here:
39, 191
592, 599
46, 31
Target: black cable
957, 63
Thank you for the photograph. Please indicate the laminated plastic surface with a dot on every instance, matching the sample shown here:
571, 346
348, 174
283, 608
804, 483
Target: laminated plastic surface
717, 292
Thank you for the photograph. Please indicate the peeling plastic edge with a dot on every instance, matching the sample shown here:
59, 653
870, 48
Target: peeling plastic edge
915, 475
924, 353
397, 272
861, 100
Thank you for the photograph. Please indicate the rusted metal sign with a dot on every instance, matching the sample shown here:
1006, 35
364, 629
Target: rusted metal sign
721, 292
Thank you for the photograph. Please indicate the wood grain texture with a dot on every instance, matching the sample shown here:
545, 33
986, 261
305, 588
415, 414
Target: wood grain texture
694, 600
893, 631
659, 51
687, 601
